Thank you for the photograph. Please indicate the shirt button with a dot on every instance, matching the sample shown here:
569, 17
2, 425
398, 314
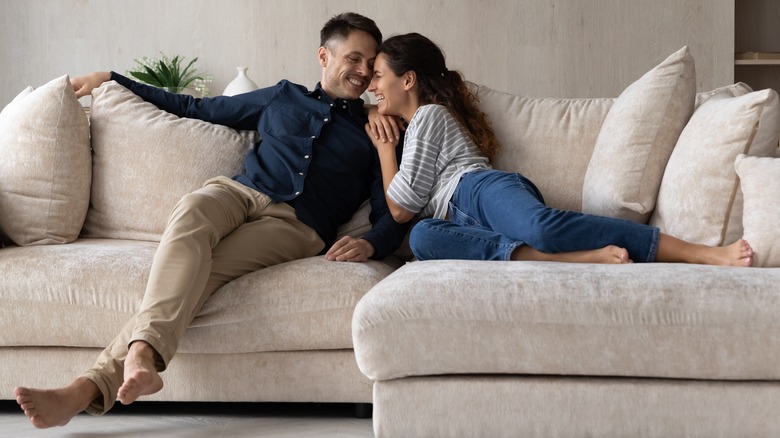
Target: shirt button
345, 107
297, 193
331, 104
313, 136
326, 119
300, 173
306, 157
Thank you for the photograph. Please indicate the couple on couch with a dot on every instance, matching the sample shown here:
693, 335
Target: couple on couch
316, 166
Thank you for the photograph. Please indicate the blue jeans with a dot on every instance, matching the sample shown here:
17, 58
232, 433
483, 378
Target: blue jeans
493, 212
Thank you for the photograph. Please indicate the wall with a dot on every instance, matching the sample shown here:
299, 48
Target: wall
555, 48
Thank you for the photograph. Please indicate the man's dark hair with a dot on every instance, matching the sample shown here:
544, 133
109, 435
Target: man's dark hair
341, 25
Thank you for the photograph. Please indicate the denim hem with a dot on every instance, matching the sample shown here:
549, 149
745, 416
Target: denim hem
651, 255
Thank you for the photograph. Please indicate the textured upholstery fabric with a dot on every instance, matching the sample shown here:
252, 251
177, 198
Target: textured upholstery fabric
699, 199
98, 284
546, 407
550, 141
146, 159
641, 320
45, 165
760, 183
637, 139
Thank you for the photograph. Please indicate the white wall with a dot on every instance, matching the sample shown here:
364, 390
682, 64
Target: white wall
555, 48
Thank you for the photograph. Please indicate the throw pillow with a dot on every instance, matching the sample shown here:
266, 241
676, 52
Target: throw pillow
699, 199
637, 138
733, 90
145, 160
45, 165
760, 181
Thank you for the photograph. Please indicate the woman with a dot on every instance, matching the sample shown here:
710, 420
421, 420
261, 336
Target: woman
480, 213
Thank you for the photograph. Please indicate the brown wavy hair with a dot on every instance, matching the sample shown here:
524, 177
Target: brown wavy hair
440, 85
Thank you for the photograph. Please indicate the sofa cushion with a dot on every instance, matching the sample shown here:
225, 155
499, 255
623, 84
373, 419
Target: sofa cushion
639, 320
733, 90
146, 159
548, 140
760, 183
637, 139
699, 199
100, 284
45, 165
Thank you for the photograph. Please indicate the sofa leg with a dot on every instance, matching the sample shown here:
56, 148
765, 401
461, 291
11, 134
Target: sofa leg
363, 410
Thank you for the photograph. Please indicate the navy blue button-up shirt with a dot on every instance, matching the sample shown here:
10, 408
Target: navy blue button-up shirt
313, 153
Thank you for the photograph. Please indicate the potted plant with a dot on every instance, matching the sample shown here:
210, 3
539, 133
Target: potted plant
168, 74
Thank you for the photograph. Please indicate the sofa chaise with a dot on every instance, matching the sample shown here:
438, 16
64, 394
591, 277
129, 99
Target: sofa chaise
525, 349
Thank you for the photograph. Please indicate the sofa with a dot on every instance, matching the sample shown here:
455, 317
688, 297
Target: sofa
84, 198
526, 349
441, 348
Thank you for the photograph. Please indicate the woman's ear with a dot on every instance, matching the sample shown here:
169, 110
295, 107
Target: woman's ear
410, 79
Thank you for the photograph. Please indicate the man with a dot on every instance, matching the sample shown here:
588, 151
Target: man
315, 168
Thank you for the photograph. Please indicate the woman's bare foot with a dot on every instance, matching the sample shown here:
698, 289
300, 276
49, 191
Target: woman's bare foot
608, 255
55, 407
672, 249
141, 376
738, 253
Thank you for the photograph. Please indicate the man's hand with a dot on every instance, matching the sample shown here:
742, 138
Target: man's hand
83, 85
386, 129
349, 249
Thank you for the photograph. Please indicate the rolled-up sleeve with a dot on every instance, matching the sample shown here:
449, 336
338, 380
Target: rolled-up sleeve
412, 186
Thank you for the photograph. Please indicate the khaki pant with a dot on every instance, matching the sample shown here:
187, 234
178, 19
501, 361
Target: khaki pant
214, 235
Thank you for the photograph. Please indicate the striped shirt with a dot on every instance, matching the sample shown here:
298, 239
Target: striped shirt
437, 152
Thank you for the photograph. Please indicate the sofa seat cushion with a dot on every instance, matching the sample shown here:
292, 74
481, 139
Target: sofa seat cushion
82, 294
641, 320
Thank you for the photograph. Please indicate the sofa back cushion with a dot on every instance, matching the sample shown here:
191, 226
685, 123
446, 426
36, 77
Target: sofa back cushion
548, 140
45, 165
699, 199
145, 160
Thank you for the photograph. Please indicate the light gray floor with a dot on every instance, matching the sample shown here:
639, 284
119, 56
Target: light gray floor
153, 420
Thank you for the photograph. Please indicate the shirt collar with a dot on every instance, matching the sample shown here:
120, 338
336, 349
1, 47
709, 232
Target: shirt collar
354, 106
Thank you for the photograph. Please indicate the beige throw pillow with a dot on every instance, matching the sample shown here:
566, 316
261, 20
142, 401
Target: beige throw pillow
637, 138
45, 165
760, 182
699, 199
146, 159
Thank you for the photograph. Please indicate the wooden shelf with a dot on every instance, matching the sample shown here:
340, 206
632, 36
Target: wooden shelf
757, 62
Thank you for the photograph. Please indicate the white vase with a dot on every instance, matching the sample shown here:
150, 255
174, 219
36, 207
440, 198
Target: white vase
241, 84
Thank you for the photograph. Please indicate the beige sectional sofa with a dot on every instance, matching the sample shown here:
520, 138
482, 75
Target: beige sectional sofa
442, 348
471, 348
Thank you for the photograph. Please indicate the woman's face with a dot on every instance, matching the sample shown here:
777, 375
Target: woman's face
391, 96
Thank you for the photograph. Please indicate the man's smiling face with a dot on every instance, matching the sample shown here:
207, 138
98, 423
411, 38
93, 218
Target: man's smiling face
347, 65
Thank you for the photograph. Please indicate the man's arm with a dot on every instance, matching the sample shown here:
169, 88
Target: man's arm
237, 112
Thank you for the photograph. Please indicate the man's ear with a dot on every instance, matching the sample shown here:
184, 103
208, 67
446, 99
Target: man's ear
322, 55
410, 79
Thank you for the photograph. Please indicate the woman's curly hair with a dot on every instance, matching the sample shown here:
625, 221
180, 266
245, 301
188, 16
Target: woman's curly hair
437, 84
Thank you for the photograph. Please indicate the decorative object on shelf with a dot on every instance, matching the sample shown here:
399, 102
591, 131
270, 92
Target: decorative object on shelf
241, 83
168, 74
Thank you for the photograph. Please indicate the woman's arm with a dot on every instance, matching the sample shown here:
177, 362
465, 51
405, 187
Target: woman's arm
387, 158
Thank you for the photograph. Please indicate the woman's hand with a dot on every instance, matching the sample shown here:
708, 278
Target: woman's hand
385, 128
83, 85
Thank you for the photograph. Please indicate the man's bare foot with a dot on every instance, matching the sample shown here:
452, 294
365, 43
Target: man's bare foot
55, 407
141, 376
608, 255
